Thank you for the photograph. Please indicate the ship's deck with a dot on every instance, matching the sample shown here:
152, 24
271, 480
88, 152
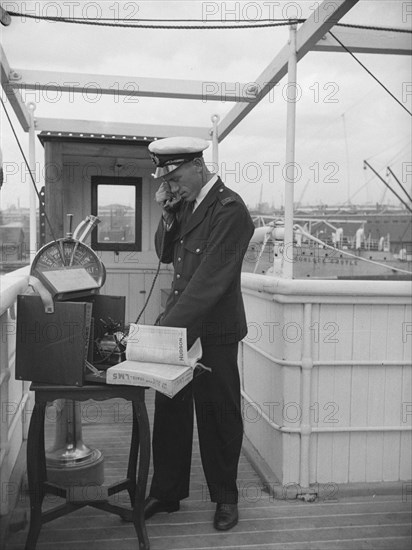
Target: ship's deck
362, 522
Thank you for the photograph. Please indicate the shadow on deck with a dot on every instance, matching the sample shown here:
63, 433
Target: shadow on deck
356, 523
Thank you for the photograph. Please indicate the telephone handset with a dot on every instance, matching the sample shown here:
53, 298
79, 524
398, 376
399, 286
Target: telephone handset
172, 204
173, 200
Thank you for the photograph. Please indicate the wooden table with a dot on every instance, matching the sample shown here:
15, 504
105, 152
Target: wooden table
75, 496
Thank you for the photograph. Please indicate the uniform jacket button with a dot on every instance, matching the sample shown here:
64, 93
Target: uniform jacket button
178, 276
176, 292
198, 250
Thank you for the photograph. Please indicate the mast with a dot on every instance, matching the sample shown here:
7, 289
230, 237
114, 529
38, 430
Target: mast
347, 158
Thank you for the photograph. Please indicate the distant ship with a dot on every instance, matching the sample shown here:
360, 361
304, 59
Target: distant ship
335, 242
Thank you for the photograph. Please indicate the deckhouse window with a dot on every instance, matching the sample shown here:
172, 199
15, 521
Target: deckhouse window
117, 202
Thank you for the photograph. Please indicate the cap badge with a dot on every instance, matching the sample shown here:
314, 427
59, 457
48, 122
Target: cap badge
155, 159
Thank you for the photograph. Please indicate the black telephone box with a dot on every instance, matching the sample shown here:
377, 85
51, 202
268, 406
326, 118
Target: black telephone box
52, 348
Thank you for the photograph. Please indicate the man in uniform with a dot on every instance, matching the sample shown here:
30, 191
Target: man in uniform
204, 231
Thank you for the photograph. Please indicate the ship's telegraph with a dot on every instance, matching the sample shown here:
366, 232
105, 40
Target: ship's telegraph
62, 332
67, 268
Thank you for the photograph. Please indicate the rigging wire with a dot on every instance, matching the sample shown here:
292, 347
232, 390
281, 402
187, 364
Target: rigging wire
369, 72
157, 20
28, 168
407, 146
264, 22
373, 28
80, 21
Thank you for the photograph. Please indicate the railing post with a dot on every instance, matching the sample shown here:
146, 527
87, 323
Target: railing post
305, 425
32, 194
289, 169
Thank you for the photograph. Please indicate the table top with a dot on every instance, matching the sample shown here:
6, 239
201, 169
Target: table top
98, 390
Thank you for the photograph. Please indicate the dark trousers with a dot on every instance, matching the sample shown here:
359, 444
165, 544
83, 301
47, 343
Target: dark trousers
219, 421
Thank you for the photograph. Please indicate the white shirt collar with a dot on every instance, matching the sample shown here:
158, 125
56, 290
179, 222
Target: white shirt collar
204, 191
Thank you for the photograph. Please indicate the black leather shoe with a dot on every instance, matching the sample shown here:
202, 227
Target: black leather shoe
226, 516
153, 506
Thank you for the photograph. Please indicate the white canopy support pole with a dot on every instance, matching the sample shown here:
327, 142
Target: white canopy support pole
33, 195
215, 143
130, 86
290, 170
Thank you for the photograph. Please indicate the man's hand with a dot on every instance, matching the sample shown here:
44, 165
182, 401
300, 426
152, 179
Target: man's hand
163, 194
168, 201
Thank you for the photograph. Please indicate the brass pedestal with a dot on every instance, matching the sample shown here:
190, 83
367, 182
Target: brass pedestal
70, 461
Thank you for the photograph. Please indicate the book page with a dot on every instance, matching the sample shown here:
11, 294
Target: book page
156, 344
195, 353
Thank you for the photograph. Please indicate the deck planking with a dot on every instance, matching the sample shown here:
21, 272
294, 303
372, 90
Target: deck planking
344, 523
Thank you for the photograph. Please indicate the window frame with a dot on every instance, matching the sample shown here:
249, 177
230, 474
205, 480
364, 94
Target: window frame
118, 180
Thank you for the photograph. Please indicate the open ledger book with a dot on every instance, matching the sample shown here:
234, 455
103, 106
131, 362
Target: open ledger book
157, 357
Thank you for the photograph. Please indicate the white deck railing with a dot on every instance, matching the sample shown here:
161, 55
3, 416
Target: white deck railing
326, 379
14, 394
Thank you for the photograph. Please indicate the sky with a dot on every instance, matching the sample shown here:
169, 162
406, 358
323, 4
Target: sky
343, 115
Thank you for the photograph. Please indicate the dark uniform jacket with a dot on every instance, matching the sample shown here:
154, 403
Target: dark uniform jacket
207, 249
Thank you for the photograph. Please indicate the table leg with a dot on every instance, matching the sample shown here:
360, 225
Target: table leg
36, 472
144, 461
133, 455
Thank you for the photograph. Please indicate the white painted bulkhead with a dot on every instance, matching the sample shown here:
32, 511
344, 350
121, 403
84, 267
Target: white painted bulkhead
326, 379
